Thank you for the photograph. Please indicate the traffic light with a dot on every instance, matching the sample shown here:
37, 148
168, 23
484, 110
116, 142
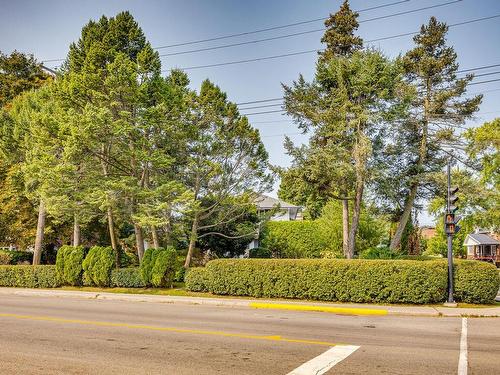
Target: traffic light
452, 199
450, 223
450, 220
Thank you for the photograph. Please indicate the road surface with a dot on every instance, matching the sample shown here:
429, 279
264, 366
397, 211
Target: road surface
47, 335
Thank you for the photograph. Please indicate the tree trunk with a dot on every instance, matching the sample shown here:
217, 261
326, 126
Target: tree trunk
76, 232
37, 253
156, 240
355, 217
112, 235
345, 227
192, 242
139, 240
168, 227
396, 240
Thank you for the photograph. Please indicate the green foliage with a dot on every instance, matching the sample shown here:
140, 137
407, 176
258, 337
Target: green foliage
164, 269
318, 238
28, 276
377, 253
15, 257
5, 257
97, 266
379, 281
69, 265
260, 252
127, 278
476, 282
160, 267
148, 262
197, 279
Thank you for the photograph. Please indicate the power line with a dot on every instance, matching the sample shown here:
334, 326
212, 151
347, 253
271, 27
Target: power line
274, 27
303, 32
458, 71
481, 82
319, 50
262, 106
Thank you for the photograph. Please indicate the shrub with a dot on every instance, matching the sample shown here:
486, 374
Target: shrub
197, 279
180, 273
127, 278
260, 252
28, 276
164, 268
15, 257
69, 265
147, 264
5, 257
380, 281
330, 279
97, 266
476, 282
159, 267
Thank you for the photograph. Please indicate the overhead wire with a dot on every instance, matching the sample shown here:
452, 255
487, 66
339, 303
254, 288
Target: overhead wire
304, 32
274, 27
319, 50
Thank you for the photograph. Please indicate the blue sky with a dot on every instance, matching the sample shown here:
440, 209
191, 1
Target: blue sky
46, 28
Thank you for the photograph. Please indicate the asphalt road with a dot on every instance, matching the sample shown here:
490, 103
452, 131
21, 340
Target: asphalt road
40, 335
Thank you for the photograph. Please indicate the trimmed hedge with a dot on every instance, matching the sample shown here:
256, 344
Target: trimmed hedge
197, 279
380, 281
97, 266
127, 278
69, 265
159, 267
476, 282
15, 257
28, 276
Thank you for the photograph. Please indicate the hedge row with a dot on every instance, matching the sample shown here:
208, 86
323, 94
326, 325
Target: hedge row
391, 281
15, 257
29, 276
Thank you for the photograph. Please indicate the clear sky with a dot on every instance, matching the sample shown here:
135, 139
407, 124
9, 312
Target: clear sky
46, 28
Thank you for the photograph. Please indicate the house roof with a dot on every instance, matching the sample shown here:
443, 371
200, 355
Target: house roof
264, 201
480, 239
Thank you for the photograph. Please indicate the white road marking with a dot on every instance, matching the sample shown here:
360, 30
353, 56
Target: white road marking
324, 362
462, 360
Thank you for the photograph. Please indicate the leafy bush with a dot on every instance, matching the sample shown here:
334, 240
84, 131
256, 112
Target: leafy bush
164, 268
197, 279
5, 257
97, 266
380, 281
15, 257
160, 266
127, 278
260, 252
476, 282
148, 262
69, 265
28, 276
377, 253
180, 273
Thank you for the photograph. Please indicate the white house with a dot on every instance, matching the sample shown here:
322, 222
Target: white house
284, 212
481, 245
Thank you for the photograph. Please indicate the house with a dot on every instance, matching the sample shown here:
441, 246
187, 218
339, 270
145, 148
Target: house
428, 232
482, 245
283, 212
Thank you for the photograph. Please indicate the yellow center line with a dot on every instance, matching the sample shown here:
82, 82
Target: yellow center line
167, 329
329, 309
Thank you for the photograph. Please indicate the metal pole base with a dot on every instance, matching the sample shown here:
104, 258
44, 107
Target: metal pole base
450, 304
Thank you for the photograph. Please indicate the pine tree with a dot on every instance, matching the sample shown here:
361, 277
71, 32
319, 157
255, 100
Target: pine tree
437, 106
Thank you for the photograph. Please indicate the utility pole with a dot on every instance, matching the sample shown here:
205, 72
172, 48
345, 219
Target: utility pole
451, 227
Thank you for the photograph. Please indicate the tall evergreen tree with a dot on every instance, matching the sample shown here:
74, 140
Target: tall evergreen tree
437, 106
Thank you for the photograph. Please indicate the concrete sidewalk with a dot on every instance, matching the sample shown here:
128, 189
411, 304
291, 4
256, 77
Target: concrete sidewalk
334, 308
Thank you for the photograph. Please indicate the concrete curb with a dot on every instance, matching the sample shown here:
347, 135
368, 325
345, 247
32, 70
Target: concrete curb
342, 309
